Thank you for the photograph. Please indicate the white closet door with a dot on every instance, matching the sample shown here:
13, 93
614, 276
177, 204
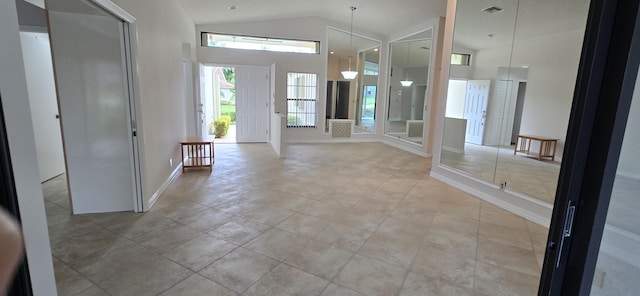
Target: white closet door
88, 54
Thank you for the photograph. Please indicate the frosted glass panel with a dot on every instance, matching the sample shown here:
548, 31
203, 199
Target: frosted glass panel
618, 267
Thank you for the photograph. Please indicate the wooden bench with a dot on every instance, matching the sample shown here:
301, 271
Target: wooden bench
199, 152
547, 146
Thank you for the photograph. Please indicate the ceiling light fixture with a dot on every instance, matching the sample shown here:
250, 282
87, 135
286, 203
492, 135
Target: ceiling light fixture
350, 74
406, 82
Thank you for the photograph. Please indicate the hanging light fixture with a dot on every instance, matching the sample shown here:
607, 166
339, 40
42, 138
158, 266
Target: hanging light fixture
350, 74
406, 82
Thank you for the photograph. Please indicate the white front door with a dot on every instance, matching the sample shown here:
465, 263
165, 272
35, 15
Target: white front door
252, 104
475, 109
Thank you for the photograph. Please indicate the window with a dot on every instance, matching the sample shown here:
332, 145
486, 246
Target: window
460, 59
259, 43
302, 98
371, 68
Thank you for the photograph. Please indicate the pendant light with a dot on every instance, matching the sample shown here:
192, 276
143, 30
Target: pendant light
406, 82
350, 74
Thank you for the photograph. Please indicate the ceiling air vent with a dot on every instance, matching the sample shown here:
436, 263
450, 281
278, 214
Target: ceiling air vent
493, 9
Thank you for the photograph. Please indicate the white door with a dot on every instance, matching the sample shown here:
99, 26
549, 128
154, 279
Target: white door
90, 62
205, 90
252, 104
475, 109
43, 103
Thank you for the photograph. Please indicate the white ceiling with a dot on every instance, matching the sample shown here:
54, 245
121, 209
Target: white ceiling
384, 17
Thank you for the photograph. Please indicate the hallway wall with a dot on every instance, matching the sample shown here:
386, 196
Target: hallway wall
162, 28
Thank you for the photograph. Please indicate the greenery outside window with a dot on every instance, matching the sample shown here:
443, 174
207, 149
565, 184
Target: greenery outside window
259, 43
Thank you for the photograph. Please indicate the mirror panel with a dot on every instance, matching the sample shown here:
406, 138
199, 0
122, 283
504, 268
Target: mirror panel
352, 99
524, 60
409, 60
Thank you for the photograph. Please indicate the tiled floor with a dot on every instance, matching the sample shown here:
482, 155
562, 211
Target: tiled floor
330, 219
524, 174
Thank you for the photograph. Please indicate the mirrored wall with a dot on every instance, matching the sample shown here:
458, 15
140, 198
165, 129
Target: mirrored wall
511, 83
409, 60
352, 99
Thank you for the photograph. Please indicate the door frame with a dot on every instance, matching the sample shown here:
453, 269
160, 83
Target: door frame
223, 65
604, 87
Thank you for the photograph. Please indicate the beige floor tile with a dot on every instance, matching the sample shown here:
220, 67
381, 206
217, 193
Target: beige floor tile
452, 268
320, 259
420, 285
208, 219
337, 290
200, 252
69, 281
196, 285
152, 277
452, 241
285, 280
239, 269
494, 215
70, 249
348, 238
371, 277
336, 194
268, 215
386, 248
93, 291
179, 211
137, 225
239, 231
505, 235
74, 226
166, 238
496, 281
507, 256
305, 225
277, 244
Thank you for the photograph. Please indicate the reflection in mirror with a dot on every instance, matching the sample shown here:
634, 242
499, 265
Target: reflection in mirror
511, 84
353, 100
408, 76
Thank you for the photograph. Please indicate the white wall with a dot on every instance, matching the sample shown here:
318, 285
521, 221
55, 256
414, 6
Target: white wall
15, 103
297, 28
44, 103
460, 71
456, 96
162, 28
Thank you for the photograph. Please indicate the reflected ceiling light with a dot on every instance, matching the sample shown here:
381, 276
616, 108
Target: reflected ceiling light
333, 52
375, 49
350, 74
406, 82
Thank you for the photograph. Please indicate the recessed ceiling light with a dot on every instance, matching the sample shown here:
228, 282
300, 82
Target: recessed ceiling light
375, 49
525, 66
233, 7
332, 52
493, 9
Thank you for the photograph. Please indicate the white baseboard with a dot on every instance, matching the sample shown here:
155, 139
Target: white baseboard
177, 171
452, 149
406, 146
332, 140
528, 208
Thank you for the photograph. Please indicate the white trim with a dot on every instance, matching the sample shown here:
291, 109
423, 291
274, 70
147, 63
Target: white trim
405, 145
115, 10
177, 171
34, 29
529, 209
451, 149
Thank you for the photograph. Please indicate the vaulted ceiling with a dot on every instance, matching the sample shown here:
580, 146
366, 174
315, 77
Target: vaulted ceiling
384, 17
